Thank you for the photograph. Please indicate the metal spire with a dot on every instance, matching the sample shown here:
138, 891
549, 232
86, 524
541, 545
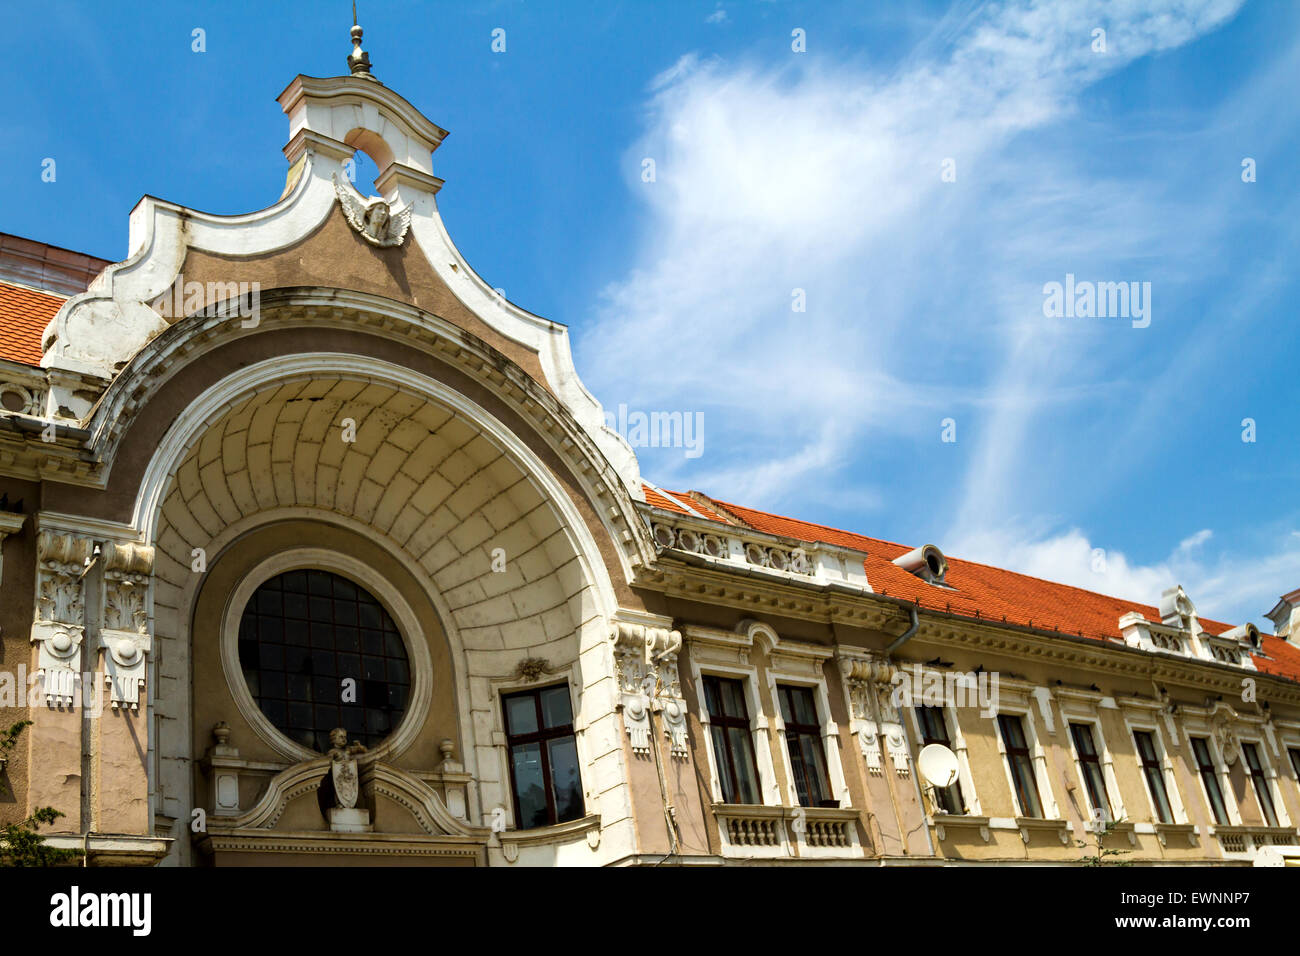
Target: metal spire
358, 59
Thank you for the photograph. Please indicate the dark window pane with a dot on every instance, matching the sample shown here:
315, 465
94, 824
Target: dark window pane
295, 654
1090, 766
1153, 772
296, 607
297, 633
1210, 779
746, 773
521, 715
804, 745
730, 733
556, 711
1020, 763
1263, 793
530, 785
565, 781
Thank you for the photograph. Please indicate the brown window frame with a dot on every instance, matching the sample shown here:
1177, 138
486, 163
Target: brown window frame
1020, 761
541, 736
1210, 780
1094, 772
1263, 794
794, 732
726, 762
1153, 771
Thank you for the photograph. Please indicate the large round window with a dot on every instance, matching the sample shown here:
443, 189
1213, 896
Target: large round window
319, 652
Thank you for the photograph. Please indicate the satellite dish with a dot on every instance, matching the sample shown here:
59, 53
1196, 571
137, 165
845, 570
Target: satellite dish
938, 765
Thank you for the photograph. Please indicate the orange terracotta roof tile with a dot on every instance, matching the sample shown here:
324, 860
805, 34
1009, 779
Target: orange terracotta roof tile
980, 591
24, 314
653, 497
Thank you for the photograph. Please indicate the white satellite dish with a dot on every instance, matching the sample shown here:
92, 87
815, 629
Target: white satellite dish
938, 765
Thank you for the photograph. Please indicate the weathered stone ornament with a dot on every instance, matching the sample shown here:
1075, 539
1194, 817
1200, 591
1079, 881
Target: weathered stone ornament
343, 769
372, 218
60, 613
345, 816
125, 636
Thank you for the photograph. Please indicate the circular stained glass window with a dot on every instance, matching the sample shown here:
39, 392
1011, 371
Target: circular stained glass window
320, 652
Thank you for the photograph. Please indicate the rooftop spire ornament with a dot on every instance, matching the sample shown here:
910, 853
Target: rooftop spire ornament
358, 59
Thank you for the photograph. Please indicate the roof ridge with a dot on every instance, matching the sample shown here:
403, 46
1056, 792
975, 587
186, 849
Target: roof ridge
701, 498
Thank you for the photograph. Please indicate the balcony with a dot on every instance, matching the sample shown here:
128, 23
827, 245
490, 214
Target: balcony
764, 832
1244, 842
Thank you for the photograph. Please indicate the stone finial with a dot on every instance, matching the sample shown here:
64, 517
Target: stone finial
221, 733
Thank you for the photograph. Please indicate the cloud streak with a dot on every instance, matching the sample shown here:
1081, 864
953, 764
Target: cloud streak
776, 180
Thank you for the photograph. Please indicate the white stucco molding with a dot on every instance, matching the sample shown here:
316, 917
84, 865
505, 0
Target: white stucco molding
97, 333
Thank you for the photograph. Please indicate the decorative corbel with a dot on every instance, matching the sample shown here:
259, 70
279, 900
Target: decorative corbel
675, 725
645, 662
869, 685
125, 635
60, 625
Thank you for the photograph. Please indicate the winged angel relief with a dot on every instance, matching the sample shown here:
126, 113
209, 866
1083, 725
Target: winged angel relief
372, 217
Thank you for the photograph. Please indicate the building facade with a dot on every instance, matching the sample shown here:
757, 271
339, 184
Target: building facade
316, 550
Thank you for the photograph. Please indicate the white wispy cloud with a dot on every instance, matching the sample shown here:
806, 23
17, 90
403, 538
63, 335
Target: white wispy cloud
798, 176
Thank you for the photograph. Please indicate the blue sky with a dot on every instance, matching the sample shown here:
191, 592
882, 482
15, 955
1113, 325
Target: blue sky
819, 171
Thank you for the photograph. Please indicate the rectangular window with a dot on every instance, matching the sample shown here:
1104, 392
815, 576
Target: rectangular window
1260, 780
543, 756
1021, 765
1294, 752
1090, 764
1210, 777
934, 730
733, 744
803, 740
1154, 773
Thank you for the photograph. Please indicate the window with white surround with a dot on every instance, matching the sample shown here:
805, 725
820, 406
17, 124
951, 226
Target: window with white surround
1157, 771
1264, 783
731, 735
1212, 777
942, 725
794, 673
716, 657
1092, 763
1020, 765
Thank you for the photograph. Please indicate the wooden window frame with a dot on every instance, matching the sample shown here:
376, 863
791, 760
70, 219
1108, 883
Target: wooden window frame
745, 723
1094, 761
1260, 782
1019, 786
1209, 773
1155, 765
541, 736
794, 730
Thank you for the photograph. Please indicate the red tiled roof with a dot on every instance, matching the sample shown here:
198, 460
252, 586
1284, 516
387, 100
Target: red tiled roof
981, 591
24, 314
653, 497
